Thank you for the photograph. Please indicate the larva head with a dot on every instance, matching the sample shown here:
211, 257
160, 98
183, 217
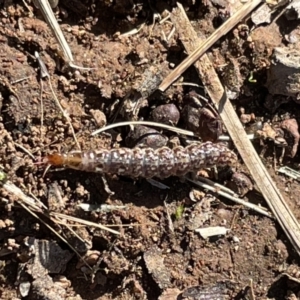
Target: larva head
55, 159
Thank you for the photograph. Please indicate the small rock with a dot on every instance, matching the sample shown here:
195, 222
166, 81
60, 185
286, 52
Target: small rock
293, 10
91, 257
145, 137
284, 73
232, 78
240, 183
99, 117
154, 261
291, 127
246, 118
224, 213
166, 114
202, 122
235, 239
262, 15
24, 288
216, 291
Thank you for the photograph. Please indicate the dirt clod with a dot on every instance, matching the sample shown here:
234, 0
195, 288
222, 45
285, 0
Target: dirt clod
166, 114
145, 137
155, 265
284, 75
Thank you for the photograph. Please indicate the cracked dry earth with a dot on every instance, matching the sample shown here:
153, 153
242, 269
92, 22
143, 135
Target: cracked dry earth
158, 254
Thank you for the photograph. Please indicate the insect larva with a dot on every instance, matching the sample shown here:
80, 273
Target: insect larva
147, 163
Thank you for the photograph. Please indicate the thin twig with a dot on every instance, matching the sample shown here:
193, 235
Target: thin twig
54, 231
188, 84
217, 185
149, 123
170, 223
42, 110
85, 222
205, 45
252, 295
48, 14
66, 116
13, 189
254, 207
29, 9
45, 74
259, 173
37, 200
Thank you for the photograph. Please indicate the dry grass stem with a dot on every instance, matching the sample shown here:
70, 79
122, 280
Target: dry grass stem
14, 190
29, 9
254, 207
55, 233
205, 45
81, 221
215, 90
48, 14
170, 223
30, 205
45, 74
217, 185
66, 116
149, 123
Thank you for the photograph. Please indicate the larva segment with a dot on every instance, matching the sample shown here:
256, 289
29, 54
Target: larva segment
54, 159
166, 162
150, 164
183, 161
139, 162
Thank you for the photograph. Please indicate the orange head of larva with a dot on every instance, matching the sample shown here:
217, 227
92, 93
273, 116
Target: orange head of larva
54, 159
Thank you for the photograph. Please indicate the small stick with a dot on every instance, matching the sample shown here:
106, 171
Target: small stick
260, 174
48, 14
44, 74
252, 295
13, 189
217, 185
230, 197
29, 9
82, 221
20, 80
198, 52
37, 201
56, 233
188, 84
65, 115
170, 223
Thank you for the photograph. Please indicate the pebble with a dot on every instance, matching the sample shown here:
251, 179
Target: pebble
146, 137
235, 239
99, 117
166, 114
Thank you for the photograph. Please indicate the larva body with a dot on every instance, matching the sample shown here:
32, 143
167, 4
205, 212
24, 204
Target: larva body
147, 162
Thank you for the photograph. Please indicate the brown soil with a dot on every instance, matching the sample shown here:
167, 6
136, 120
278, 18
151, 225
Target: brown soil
150, 259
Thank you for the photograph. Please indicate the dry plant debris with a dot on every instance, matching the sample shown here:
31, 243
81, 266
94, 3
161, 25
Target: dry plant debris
261, 176
148, 248
155, 265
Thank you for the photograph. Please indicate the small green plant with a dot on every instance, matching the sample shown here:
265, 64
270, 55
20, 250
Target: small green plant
179, 212
251, 79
